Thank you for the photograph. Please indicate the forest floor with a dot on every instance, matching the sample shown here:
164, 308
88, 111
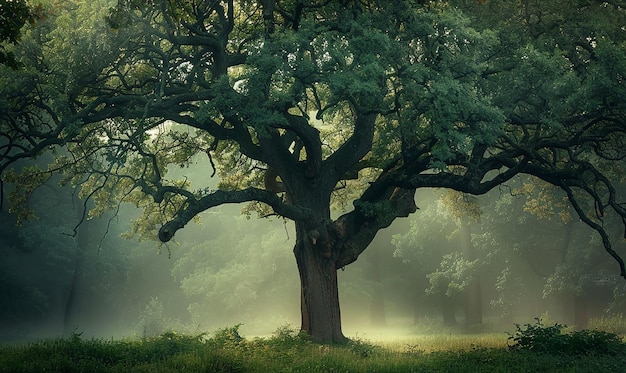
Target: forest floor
286, 351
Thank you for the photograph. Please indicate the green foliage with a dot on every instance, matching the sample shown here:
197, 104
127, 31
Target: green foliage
95, 355
153, 320
462, 101
511, 291
14, 14
284, 352
235, 269
228, 336
27, 182
543, 339
453, 275
431, 235
362, 348
288, 335
538, 338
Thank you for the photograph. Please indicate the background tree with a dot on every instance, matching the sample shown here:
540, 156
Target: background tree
59, 277
243, 278
543, 251
295, 104
439, 246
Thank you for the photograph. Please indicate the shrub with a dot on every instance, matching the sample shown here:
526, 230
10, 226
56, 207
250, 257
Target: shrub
228, 336
551, 340
361, 348
287, 336
596, 342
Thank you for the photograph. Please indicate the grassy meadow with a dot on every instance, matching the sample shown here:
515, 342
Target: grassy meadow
533, 348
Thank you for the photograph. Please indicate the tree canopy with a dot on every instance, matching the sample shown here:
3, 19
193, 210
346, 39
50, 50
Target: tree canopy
14, 14
299, 105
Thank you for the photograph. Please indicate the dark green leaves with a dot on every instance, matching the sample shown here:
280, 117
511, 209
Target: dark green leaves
13, 16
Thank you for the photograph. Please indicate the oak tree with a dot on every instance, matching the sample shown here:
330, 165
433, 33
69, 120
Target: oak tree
303, 105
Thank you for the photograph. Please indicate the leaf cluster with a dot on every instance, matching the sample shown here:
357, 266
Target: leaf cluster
454, 274
14, 14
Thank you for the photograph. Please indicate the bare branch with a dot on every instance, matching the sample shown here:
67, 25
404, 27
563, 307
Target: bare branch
597, 227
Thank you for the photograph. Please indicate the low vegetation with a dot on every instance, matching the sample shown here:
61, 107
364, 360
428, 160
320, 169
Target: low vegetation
530, 348
543, 339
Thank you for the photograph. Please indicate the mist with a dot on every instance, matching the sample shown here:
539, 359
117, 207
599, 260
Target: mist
439, 271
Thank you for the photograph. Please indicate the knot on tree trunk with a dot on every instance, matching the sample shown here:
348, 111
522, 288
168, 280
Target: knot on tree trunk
328, 237
403, 202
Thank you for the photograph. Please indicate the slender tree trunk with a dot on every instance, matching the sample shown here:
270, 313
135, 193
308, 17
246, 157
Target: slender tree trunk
448, 310
70, 303
581, 312
417, 312
377, 302
473, 304
321, 317
69, 317
473, 292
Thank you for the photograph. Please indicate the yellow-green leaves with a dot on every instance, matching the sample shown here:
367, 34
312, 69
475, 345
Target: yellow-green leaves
545, 201
25, 183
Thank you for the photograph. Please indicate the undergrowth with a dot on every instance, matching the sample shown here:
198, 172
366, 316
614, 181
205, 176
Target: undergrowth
536, 348
611, 323
540, 338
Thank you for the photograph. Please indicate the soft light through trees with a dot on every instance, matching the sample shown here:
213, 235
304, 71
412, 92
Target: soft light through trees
410, 95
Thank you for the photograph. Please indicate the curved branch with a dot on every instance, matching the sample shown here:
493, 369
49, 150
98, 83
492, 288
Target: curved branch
219, 197
597, 227
357, 229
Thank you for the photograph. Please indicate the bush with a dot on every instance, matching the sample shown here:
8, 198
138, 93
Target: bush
228, 336
286, 336
361, 348
551, 340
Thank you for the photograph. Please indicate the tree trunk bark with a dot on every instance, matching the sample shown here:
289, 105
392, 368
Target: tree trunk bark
322, 246
321, 317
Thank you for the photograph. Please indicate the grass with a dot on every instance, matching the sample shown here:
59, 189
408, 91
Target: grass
286, 351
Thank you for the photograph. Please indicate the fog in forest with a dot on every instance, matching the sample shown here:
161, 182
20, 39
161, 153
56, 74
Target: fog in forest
459, 264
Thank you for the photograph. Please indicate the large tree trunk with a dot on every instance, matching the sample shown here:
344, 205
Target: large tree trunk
321, 317
322, 245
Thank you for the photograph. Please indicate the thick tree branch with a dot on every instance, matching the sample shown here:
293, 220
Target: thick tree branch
195, 206
356, 229
310, 137
355, 148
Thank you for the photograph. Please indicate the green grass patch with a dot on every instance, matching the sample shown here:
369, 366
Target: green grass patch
615, 323
288, 351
